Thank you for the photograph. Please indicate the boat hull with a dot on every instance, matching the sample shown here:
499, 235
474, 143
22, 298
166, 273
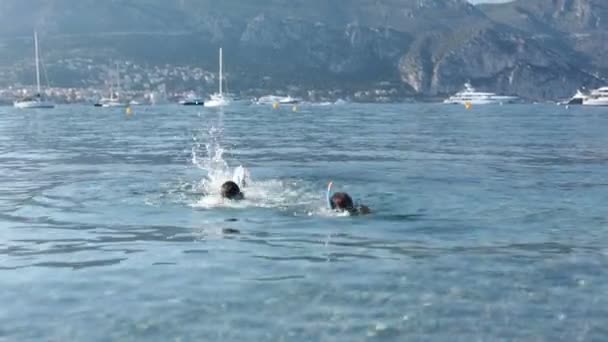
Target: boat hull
271, 100
34, 104
217, 101
489, 101
473, 102
596, 102
111, 105
215, 104
575, 101
193, 103
114, 105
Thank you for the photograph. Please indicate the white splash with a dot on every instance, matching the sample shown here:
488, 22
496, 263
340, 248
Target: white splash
273, 193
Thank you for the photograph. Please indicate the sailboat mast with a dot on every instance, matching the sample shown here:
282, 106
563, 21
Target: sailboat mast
37, 63
117, 83
111, 78
221, 70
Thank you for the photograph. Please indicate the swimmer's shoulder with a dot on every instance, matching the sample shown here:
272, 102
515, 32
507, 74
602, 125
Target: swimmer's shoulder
360, 210
364, 210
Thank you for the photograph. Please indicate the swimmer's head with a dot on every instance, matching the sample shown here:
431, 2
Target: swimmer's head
341, 201
231, 190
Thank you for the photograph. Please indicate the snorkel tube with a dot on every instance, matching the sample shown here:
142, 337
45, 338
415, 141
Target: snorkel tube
328, 195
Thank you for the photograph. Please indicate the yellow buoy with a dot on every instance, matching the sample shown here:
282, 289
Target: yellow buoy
275, 105
129, 111
295, 108
468, 105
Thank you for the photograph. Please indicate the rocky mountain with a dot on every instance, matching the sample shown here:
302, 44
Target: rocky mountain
552, 16
581, 25
537, 49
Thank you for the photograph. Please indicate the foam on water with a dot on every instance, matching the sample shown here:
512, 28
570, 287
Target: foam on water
294, 196
287, 194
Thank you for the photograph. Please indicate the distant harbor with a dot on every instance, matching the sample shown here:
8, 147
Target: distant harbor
380, 93
144, 84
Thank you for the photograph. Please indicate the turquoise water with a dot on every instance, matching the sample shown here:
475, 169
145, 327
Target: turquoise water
489, 224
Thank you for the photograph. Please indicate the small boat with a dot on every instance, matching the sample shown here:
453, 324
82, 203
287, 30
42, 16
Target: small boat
219, 99
192, 102
110, 103
597, 97
38, 100
471, 96
192, 99
272, 99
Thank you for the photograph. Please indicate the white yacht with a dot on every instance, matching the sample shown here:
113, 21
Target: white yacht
219, 99
471, 96
272, 99
37, 101
598, 97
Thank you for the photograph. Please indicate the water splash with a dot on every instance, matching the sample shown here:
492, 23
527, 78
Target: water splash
294, 196
208, 155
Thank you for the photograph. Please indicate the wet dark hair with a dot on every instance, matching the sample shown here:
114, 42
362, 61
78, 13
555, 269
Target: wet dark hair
342, 201
231, 190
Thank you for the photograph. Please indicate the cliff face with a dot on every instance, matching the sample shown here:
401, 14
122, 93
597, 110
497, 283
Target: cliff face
566, 16
502, 60
536, 49
532, 48
353, 51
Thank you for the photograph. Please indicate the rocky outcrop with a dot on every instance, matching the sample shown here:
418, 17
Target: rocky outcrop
353, 50
499, 60
568, 15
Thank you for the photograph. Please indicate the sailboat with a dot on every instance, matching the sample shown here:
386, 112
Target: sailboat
219, 99
38, 100
114, 99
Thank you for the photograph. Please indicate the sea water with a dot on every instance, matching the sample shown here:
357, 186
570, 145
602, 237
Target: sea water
488, 224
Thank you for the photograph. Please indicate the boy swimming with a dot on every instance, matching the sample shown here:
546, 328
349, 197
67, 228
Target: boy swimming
342, 202
232, 189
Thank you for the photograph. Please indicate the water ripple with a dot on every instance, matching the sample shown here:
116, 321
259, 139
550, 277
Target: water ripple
487, 224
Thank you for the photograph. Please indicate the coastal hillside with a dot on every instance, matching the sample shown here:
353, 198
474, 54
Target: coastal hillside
537, 49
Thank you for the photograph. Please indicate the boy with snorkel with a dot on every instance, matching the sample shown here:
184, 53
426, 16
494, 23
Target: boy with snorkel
342, 202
